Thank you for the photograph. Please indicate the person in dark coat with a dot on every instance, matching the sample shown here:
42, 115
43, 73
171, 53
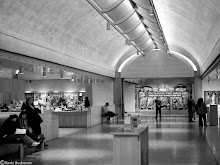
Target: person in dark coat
23, 124
9, 127
87, 103
201, 110
191, 109
158, 106
33, 117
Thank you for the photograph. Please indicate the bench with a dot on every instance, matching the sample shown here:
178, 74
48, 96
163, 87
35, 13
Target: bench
6, 145
21, 146
114, 118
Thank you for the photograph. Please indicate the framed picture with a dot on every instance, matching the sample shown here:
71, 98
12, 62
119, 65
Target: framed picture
218, 95
213, 97
207, 97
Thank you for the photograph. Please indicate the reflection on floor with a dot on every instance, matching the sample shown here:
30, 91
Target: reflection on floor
67, 131
172, 141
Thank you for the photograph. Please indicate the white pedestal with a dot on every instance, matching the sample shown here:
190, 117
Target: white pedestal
130, 148
208, 114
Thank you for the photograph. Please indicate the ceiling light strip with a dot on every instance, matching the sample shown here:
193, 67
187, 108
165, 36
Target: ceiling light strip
158, 21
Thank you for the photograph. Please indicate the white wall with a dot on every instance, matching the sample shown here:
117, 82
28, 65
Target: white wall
11, 89
214, 85
102, 93
129, 97
157, 64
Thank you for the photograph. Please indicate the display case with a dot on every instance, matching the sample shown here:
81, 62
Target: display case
59, 101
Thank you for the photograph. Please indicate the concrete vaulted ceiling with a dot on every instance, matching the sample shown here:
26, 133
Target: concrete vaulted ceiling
73, 32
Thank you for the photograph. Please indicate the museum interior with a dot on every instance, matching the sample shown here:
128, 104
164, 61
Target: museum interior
146, 50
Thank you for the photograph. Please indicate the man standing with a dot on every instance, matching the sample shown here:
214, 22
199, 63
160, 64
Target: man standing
158, 106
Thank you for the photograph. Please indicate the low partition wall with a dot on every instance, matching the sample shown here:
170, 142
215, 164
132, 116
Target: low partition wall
81, 119
73, 119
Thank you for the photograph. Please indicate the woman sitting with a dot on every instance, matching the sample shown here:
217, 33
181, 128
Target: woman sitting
9, 129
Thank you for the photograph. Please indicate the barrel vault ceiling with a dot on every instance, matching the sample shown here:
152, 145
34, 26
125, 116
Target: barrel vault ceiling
74, 33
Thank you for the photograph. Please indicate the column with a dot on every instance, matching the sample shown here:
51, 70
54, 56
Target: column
118, 94
197, 86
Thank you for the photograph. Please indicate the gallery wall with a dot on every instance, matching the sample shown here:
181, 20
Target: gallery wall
102, 93
129, 97
11, 89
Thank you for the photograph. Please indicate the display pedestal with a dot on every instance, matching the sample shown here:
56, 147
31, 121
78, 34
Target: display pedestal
213, 115
130, 148
208, 114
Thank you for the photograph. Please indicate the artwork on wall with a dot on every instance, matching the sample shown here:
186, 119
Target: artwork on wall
218, 96
212, 97
173, 97
207, 97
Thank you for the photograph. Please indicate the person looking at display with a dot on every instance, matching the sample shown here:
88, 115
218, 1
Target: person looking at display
158, 106
201, 110
191, 109
9, 127
107, 113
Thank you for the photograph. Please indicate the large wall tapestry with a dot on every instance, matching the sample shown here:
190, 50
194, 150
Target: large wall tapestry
173, 97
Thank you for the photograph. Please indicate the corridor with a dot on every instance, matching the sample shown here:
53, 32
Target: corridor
172, 141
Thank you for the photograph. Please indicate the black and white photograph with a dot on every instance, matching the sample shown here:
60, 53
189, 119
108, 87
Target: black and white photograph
109, 82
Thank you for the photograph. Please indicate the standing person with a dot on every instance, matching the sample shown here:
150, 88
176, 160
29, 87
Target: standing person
191, 109
201, 111
107, 113
158, 106
87, 103
33, 118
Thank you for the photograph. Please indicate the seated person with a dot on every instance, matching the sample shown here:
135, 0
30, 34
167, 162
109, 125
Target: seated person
107, 113
23, 124
9, 127
5, 108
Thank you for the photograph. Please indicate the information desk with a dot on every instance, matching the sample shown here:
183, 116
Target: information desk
130, 148
71, 119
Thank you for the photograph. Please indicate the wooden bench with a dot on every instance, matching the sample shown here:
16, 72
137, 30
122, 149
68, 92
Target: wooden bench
114, 118
18, 142
21, 146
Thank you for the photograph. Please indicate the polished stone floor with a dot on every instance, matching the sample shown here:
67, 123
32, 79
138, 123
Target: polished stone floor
172, 141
